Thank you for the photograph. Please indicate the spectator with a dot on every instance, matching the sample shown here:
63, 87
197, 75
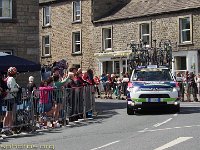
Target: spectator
31, 86
45, 102
179, 79
79, 70
90, 78
187, 86
198, 84
80, 79
85, 76
193, 86
71, 83
97, 82
58, 94
10, 101
114, 82
3, 93
109, 85
125, 81
73, 69
104, 79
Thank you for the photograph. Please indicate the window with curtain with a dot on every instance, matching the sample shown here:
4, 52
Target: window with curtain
5, 9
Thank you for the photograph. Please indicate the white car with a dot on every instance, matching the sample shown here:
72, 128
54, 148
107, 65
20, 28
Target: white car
152, 87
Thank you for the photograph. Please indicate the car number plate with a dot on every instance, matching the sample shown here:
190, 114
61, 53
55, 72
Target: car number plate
154, 99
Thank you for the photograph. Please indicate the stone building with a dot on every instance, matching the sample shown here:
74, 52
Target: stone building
96, 33
19, 28
66, 32
147, 21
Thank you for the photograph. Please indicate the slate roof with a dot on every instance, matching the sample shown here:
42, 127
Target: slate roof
46, 1
139, 8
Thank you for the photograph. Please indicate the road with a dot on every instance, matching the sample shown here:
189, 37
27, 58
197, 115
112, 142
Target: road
113, 129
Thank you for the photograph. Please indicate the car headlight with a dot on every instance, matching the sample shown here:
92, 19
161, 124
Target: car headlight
135, 89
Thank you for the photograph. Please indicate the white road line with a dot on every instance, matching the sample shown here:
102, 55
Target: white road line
105, 145
175, 115
159, 124
169, 128
174, 142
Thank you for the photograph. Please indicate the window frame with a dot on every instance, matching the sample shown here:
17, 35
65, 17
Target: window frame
107, 38
74, 42
11, 10
185, 30
44, 46
45, 24
145, 35
74, 10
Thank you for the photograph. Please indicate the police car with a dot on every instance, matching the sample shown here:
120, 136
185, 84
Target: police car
152, 87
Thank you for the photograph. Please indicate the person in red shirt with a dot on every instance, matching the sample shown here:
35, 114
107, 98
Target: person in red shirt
97, 81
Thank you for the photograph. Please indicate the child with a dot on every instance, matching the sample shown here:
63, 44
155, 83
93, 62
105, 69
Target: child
45, 102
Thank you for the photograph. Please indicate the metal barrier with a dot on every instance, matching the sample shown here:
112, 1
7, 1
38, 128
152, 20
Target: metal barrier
16, 111
46, 104
68, 102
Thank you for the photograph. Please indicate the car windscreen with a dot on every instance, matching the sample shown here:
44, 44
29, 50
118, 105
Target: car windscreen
152, 75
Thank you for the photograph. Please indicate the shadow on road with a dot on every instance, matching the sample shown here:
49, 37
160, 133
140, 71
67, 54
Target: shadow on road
189, 110
102, 106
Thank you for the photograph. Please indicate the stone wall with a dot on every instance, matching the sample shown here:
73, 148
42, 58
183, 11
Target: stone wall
21, 33
61, 30
164, 26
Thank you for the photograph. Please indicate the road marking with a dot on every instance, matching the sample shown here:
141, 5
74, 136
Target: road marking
174, 142
105, 145
159, 124
169, 128
175, 115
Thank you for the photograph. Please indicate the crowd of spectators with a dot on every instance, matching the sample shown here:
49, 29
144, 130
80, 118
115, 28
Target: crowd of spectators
189, 84
112, 84
50, 100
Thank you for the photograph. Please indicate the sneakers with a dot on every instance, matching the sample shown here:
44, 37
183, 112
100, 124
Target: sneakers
7, 132
57, 125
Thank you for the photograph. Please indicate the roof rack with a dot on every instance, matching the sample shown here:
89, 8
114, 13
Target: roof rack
148, 56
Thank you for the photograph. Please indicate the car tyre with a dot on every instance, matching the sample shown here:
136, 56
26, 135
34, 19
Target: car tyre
130, 111
177, 108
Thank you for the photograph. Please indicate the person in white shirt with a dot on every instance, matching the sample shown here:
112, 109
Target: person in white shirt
10, 100
125, 81
198, 83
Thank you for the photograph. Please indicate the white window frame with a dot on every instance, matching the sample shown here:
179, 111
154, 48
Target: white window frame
104, 38
46, 45
10, 10
74, 43
185, 30
147, 34
45, 15
75, 10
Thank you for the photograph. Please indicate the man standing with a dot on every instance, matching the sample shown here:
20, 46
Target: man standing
10, 101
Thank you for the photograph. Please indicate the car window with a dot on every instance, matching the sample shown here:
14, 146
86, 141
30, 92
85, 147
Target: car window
152, 75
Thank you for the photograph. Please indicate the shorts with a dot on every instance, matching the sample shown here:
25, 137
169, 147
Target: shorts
45, 107
10, 103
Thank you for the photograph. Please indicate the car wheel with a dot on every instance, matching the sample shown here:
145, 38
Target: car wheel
177, 108
130, 111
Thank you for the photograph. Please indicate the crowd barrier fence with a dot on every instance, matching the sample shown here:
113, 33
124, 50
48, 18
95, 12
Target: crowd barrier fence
25, 110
